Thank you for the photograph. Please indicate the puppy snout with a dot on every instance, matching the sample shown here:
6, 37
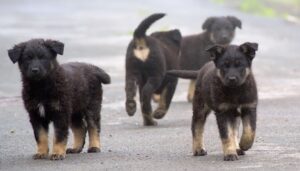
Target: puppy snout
35, 70
232, 79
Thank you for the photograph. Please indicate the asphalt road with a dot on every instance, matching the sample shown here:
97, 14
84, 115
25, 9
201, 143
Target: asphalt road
98, 32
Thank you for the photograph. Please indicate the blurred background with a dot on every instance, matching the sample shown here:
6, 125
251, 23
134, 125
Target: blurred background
99, 31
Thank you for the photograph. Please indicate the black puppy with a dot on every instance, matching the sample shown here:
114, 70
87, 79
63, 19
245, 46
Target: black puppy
68, 94
218, 30
227, 87
147, 60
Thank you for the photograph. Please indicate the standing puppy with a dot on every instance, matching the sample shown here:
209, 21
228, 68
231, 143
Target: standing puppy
218, 30
227, 87
68, 94
147, 60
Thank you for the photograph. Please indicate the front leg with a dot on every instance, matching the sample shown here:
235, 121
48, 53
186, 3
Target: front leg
146, 93
61, 125
130, 89
40, 129
225, 122
249, 127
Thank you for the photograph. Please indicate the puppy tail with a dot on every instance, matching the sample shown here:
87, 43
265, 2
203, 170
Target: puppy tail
183, 74
140, 31
103, 76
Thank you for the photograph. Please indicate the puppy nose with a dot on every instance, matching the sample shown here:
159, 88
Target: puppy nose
35, 70
232, 78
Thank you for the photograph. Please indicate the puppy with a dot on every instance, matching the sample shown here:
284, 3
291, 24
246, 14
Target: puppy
218, 30
227, 87
67, 95
147, 60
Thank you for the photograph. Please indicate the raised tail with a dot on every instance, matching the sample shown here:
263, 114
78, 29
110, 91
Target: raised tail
183, 74
140, 31
103, 76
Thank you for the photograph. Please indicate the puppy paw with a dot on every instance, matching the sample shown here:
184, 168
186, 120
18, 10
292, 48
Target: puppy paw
231, 157
39, 156
57, 156
150, 123
94, 150
240, 152
73, 150
130, 107
159, 113
200, 152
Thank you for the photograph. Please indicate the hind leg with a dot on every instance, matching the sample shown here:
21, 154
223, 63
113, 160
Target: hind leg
93, 126
191, 90
79, 132
166, 98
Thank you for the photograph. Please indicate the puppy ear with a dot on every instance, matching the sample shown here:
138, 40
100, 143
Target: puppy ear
176, 36
215, 52
208, 22
56, 46
249, 49
16, 52
235, 21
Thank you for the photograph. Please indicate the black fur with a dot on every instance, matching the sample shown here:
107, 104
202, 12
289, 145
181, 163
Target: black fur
226, 86
67, 95
147, 71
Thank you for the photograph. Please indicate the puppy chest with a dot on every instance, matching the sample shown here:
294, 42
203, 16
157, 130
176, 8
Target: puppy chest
46, 108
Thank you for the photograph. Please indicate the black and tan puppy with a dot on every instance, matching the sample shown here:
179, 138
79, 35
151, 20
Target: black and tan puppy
68, 94
147, 60
227, 87
218, 30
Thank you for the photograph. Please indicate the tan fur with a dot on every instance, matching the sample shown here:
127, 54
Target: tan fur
42, 146
248, 136
79, 135
229, 146
141, 51
191, 90
94, 138
59, 148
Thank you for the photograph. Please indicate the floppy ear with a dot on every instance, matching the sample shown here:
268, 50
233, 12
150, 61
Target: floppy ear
176, 36
215, 52
235, 21
208, 22
16, 52
249, 49
55, 46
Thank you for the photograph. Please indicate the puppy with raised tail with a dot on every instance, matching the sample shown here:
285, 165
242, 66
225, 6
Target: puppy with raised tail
226, 86
69, 95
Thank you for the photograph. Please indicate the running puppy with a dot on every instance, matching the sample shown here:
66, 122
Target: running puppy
218, 30
67, 95
147, 60
227, 87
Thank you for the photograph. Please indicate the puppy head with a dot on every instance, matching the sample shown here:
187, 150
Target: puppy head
221, 29
36, 57
233, 63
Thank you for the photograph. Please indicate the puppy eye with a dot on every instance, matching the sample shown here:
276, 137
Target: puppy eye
237, 63
227, 64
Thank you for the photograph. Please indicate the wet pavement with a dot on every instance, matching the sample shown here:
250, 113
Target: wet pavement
98, 32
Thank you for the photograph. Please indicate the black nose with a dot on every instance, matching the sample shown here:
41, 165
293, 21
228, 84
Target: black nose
35, 70
232, 79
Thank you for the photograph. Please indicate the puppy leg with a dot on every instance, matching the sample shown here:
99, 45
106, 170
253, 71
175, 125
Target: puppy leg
191, 90
226, 129
200, 113
249, 127
61, 125
146, 93
166, 98
236, 125
79, 132
94, 128
40, 130
130, 89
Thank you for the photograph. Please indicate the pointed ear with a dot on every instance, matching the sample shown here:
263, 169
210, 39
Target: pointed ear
176, 36
249, 49
208, 22
235, 21
55, 46
16, 52
216, 52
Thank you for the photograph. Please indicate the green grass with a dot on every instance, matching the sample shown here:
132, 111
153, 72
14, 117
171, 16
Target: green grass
256, 7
